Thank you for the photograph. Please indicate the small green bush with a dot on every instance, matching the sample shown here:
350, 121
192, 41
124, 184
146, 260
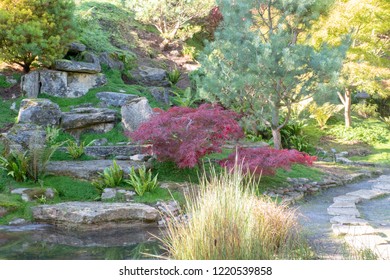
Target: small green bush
75, 150
142, 180
174, 76
364, 132
16, 165
366, 110
111, 177
323, 113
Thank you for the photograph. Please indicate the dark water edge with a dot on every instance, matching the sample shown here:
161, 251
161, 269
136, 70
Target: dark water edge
40, 242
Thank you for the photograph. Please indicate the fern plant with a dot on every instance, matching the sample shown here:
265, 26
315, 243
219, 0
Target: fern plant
75, 150
142, 180
174, 76
16, 165
112, 176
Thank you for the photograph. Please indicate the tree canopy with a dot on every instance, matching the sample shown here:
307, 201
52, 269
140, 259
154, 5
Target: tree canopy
367, 65
35, 32
260, 65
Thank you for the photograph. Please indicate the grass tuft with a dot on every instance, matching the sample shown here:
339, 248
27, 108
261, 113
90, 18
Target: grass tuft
228, 222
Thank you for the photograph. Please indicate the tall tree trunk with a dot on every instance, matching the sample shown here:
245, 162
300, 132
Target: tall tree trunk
347, 108
277, 137
346, 99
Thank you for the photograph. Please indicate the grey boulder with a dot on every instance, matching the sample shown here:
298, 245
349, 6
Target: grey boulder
94, 213
135, 112
114, 98
40, 112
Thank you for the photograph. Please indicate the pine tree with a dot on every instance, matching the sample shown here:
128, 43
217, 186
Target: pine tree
35, 32
260, 63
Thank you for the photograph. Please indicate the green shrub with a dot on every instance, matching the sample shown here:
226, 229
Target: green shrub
75, 150
35, 32
184, 98
16, 165
228, 222
366, 110
52, 134
323, 113
386, 120
174, 76
364, 132
142, 180
3, 82
111, 177
293, 137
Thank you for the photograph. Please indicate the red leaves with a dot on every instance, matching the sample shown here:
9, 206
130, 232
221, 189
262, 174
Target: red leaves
266, 160
184, 135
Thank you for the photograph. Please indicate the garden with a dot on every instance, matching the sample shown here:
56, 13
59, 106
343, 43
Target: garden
198, 138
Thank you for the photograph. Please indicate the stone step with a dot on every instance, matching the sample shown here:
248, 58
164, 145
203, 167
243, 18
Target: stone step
90, 169
343, 211
351, 230
97, 214
347, 198
348, 220
385, 187
367, 194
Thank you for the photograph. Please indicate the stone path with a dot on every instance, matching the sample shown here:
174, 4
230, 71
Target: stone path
358, 232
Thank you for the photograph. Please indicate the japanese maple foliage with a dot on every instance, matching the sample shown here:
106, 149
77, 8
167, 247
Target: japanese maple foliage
184, 135
266, 160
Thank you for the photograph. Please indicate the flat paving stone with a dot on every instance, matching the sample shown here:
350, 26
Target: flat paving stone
343, 204
342, 211
347, 198
361, 242
383, 250
352, 230
382, 187
367, 194
383, 178
348, 220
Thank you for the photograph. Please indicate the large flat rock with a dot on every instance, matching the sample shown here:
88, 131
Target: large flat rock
87, 170
94, 213
343, 211
367, 194
351, 230
348, 220
385, 187
343, 204
347, 198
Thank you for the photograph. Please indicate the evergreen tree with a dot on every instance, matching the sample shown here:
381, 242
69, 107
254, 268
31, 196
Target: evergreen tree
367, 66
35, 31
168, 16
260, 65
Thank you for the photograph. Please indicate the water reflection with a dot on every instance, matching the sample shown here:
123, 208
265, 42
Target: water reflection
47, 242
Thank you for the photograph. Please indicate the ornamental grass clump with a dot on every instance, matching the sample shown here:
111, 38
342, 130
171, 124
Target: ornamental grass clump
229, 222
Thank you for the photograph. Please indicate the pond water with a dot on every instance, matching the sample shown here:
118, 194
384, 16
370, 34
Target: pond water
314, 217
46, 242
376, 211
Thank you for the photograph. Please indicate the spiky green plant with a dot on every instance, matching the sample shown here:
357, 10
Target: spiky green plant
141, 180
112, 176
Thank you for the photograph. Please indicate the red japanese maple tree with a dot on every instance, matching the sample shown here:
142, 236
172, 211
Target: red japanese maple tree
266, 160
184, 135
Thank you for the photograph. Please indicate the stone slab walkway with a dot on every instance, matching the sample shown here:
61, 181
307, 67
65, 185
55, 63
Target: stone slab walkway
358, 232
